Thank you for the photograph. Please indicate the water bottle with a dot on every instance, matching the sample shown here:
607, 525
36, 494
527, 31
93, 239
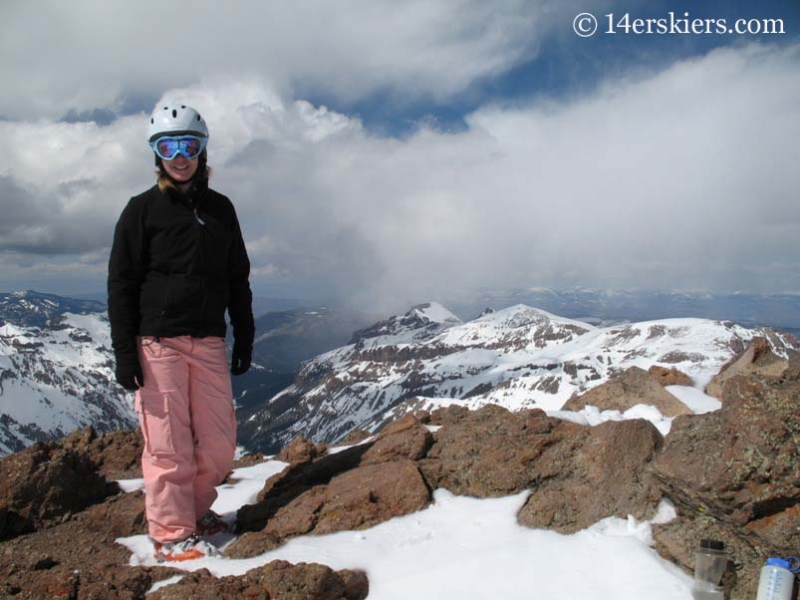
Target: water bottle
710, 564
777, 579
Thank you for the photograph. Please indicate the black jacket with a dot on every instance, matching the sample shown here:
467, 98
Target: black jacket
177, 263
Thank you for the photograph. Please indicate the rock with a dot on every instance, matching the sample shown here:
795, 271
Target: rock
740, 464
281, 489
670, 376
449, 415
492, 452
757, 359
300, 451
355, 499
403, 439
46, 483
634, 386
249, 460
80, 556
118, 455
580, 492
355, 436
278, 580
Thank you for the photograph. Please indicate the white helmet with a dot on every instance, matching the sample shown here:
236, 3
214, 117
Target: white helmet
176, 119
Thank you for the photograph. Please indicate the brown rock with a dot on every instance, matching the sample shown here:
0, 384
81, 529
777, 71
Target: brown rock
249, 460
606, 475
670, 376
634, 386
80, 557
281, 489
300, 451
45, 483
492, 452
355, 436
740, 465
118, 455
355, 499
403, 439
448, 415
278, 580
757, 359
372, 494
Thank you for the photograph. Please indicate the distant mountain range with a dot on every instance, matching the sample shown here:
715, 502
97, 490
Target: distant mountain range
56, 370
518, 357
593, 305
314, 376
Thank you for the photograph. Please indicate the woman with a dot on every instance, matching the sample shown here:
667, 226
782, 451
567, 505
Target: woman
178, 262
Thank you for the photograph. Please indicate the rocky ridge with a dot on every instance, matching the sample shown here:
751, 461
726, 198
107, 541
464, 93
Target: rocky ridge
732, 474
56, 370
518, 358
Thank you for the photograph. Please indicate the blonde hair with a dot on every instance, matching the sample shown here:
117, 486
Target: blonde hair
165, 183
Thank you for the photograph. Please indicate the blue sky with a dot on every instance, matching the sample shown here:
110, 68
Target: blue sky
389, 152
567, 65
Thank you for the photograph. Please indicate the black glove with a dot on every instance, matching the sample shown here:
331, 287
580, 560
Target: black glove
241, 359
129, 373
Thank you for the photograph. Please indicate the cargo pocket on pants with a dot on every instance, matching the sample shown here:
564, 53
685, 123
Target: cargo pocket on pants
153, 409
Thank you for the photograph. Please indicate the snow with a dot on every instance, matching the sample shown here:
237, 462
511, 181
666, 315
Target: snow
463, 548
518, 358
436, 313
695, 398
58, 378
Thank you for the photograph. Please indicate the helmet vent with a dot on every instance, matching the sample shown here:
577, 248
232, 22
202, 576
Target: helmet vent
175, 119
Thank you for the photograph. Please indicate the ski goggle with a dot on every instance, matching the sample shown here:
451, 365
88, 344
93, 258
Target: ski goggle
168, 147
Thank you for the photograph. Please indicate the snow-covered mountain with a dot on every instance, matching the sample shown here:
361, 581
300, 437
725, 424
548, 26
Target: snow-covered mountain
518, 357
56, 370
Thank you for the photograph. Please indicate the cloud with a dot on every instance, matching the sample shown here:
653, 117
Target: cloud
681, 178
94, 54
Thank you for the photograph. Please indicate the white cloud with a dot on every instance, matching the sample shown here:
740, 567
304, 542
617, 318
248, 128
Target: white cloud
87, 54
682, 178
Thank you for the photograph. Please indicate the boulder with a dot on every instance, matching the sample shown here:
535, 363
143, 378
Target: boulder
300, 451
633, 386
118, 454
278, 580
581, 492
356, 488
46, 483
671, 376
79, 556
355, 499
492, 452
355, 436
406, 438
757, 359
740, 465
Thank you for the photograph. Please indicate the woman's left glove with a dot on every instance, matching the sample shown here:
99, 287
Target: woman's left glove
241, 359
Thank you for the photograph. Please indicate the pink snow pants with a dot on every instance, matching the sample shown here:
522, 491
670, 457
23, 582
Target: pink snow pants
187, 418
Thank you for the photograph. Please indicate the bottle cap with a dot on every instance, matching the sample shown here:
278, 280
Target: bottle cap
779, 562
712, 545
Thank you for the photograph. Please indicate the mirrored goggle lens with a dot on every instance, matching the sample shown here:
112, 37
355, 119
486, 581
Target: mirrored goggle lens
169, 147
